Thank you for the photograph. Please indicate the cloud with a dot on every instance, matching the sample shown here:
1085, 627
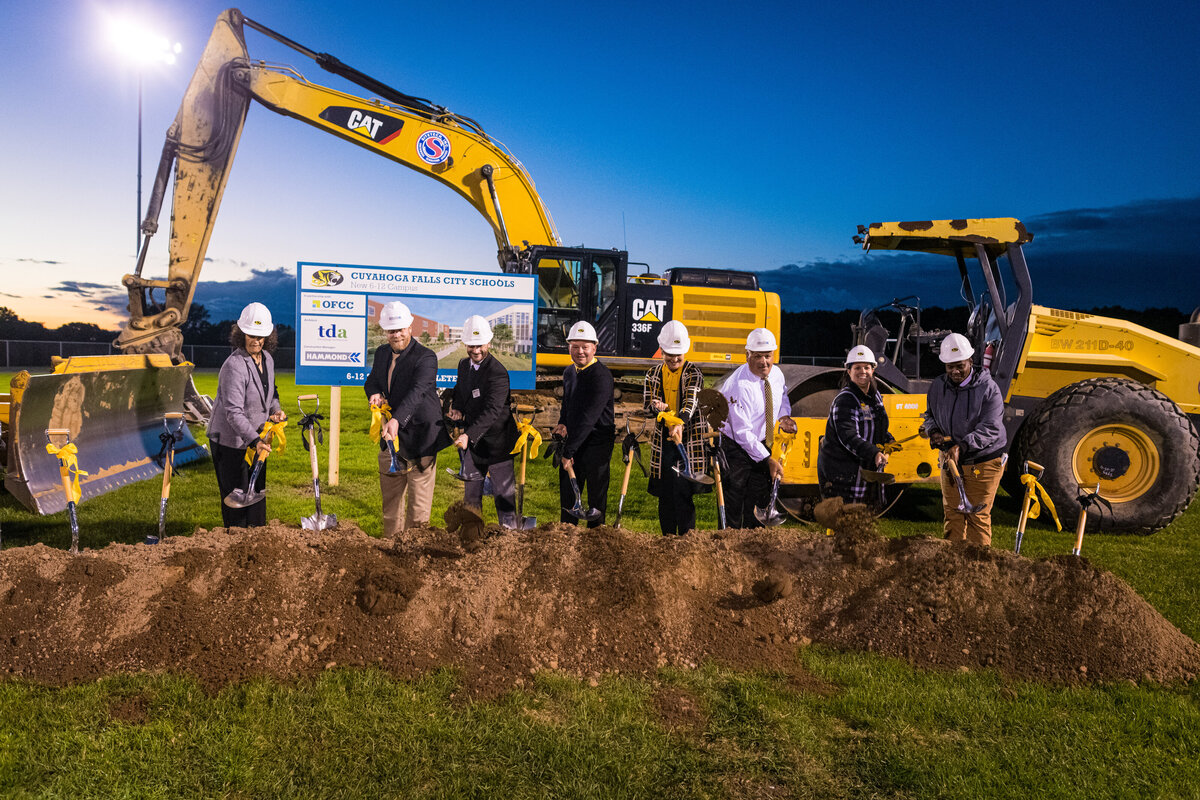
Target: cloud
36, 261
83, 288
1131, 255
274, 287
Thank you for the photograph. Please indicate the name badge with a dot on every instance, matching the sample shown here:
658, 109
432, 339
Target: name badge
475, 393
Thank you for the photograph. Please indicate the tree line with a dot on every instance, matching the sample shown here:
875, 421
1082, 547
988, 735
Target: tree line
199, 329
803, 333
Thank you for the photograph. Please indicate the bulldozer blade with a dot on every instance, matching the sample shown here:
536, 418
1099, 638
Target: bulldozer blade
115, 417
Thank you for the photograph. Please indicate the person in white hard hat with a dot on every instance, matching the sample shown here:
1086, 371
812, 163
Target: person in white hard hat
404, 376
964, 417
246, 398
674, 386
855, 434
585, 423
480, 403
758, 403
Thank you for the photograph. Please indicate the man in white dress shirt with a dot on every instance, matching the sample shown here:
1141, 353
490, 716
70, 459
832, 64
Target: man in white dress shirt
757, 401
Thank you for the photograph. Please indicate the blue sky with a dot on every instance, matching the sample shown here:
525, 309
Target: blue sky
694, 134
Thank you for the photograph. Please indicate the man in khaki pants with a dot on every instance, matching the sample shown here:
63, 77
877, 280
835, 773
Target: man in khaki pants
965, 417
404, 375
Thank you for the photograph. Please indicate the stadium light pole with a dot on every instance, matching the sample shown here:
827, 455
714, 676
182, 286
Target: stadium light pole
141, 48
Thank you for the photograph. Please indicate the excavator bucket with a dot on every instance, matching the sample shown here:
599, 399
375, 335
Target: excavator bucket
113, 407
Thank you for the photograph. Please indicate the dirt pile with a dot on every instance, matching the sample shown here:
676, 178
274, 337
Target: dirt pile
284, 602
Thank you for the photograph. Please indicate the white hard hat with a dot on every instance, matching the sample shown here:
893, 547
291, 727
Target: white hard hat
956, 347
761, 340
860, 355
582, 332
256, 320
673, 338
395, 316
476, 330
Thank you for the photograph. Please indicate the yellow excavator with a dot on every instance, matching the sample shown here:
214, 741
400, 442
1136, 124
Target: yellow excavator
1095, 401
720, 307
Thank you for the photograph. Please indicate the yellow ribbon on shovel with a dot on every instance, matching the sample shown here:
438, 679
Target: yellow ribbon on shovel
68, 463
272, 434
379, 416
669, 419
528, 435
1035, 508
781, 444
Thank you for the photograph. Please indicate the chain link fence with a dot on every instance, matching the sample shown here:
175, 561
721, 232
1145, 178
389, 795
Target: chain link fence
31, 354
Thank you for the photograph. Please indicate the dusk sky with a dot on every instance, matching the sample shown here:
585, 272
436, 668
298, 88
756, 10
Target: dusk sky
752, 137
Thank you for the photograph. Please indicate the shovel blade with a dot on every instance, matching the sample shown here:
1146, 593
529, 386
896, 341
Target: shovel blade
240, 498
319, 522
768, 516
704, 479
591, 515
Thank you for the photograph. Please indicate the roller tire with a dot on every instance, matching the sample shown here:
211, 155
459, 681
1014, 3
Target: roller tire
1158, 483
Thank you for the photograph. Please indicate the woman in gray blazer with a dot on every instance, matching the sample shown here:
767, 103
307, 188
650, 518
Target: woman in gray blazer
246, 398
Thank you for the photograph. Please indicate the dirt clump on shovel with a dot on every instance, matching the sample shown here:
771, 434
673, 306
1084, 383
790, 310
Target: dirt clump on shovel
278, 601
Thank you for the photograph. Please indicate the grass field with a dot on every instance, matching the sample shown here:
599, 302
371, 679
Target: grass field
880, 729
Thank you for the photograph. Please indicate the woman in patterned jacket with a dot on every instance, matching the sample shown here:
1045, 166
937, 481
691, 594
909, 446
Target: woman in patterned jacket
674, 387
858, 425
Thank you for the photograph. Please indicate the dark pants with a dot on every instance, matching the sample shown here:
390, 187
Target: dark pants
591, 472
232, 473
504, 489
676, 508
747, 483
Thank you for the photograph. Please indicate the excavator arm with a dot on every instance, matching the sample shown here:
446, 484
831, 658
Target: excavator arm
202, 142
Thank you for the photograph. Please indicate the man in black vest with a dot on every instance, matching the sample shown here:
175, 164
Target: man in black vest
480, 404
404, 375
586, 424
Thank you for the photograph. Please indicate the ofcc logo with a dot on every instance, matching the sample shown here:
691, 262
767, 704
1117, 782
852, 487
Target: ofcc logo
333, 303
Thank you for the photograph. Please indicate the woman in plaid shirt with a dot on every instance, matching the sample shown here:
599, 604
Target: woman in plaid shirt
674, 386
857, 428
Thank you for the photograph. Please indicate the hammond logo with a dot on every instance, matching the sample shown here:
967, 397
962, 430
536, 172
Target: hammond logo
433, 147
377, 127
649, 310
326, 277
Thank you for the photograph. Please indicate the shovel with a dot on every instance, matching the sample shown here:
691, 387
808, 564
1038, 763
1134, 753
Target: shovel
965, 506
172, 433
311, 434
527, 523
576, 511
1086, 499
716, 456
770, 515
1028, 467
463, 474
881, 479
66, 459
241, 498
630, 452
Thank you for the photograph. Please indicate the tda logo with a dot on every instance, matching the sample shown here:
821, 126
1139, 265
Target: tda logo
649, 310
332, 331
377, 127
326, 277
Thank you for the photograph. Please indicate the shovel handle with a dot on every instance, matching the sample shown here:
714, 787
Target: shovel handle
570, 470
302, 397
312, 450
625, 480
58, 431
1079, 531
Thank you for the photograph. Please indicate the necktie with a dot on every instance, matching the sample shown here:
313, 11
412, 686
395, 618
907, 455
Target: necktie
769, 412
391, 369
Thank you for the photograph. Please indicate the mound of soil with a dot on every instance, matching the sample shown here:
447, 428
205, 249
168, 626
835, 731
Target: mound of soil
224, 606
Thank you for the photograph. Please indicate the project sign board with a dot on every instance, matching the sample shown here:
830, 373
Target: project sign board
338, 308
